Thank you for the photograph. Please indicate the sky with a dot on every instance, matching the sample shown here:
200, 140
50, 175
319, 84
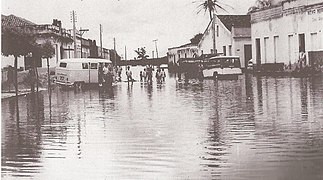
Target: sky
133, 23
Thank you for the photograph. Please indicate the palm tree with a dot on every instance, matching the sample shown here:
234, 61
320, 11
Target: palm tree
260, 4
212, 6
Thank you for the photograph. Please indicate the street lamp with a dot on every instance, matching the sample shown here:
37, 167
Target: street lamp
82, 31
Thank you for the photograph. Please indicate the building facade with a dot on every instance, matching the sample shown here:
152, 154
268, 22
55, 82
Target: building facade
228, 35
287, 31
185, 51
61, 39
58, 36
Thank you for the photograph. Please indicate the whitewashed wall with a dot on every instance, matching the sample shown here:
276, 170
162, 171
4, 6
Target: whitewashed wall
289, 25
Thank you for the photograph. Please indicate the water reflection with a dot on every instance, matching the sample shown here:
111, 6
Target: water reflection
250, 128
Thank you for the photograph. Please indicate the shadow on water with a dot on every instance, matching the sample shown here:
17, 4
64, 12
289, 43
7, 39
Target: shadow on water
304, 97
21, 146
215, 149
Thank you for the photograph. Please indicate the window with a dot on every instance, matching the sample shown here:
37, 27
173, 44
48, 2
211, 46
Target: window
94, 65
266, 40
276, 48
85, 66
217, 30
63, 65
314, 41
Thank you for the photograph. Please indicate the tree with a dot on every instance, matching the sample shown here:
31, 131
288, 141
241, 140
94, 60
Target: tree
212, 6
196, 39
260, 4
47, 51
17, 41
141, 52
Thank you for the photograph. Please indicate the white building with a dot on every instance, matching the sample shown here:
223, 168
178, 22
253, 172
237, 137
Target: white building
185, 51
228, 35
283, 30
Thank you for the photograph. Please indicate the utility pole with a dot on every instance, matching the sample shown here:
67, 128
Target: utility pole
156, 47
214, 35
82, 31
101, 40
114, 43
125, 52
73, 19
114, 51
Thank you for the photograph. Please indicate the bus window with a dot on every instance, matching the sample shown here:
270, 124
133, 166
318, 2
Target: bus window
85, 66
63, 65
94, 66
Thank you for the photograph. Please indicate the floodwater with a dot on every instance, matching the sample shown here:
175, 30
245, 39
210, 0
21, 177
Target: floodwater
250, 128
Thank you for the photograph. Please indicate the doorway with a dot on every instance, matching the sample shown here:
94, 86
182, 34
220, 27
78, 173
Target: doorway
301, 41
247, 54
258, 53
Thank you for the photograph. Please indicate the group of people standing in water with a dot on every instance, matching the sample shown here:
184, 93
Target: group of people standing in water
110, 74
147, 75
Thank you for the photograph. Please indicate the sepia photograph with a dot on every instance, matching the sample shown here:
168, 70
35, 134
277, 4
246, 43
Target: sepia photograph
162, 89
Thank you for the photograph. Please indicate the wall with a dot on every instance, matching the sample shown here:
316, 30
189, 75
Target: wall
292, 22
223, 37
236, 39
206, 44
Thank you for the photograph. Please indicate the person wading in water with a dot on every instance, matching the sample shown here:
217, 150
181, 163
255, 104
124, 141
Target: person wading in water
129, 75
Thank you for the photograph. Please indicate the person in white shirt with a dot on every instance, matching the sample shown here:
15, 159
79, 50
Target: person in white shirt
129, 74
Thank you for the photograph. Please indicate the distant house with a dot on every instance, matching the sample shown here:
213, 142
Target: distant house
185, 51
287, 30
228, 35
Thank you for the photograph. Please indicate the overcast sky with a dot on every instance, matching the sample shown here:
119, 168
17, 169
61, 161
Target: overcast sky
134, 23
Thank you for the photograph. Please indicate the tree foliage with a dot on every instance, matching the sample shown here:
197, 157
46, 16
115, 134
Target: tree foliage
212, 6
17, 41
196, 39
260, 4
141, 52
47, 50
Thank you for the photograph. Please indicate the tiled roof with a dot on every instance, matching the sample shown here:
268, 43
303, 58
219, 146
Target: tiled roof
13, 20
182, 46
238, 21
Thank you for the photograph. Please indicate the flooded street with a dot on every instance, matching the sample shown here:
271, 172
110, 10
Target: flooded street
250, 128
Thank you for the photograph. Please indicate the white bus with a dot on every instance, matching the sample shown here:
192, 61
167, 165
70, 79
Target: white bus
78, 71
222, 67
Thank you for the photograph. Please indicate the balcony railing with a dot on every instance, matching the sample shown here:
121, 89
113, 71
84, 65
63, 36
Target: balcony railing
49, 29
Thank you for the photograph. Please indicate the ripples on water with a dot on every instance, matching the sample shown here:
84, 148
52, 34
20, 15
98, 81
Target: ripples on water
252, 128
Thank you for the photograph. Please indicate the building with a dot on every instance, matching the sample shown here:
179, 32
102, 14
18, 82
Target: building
286, 31
61, 39
185, 51
58, 36
229, 35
